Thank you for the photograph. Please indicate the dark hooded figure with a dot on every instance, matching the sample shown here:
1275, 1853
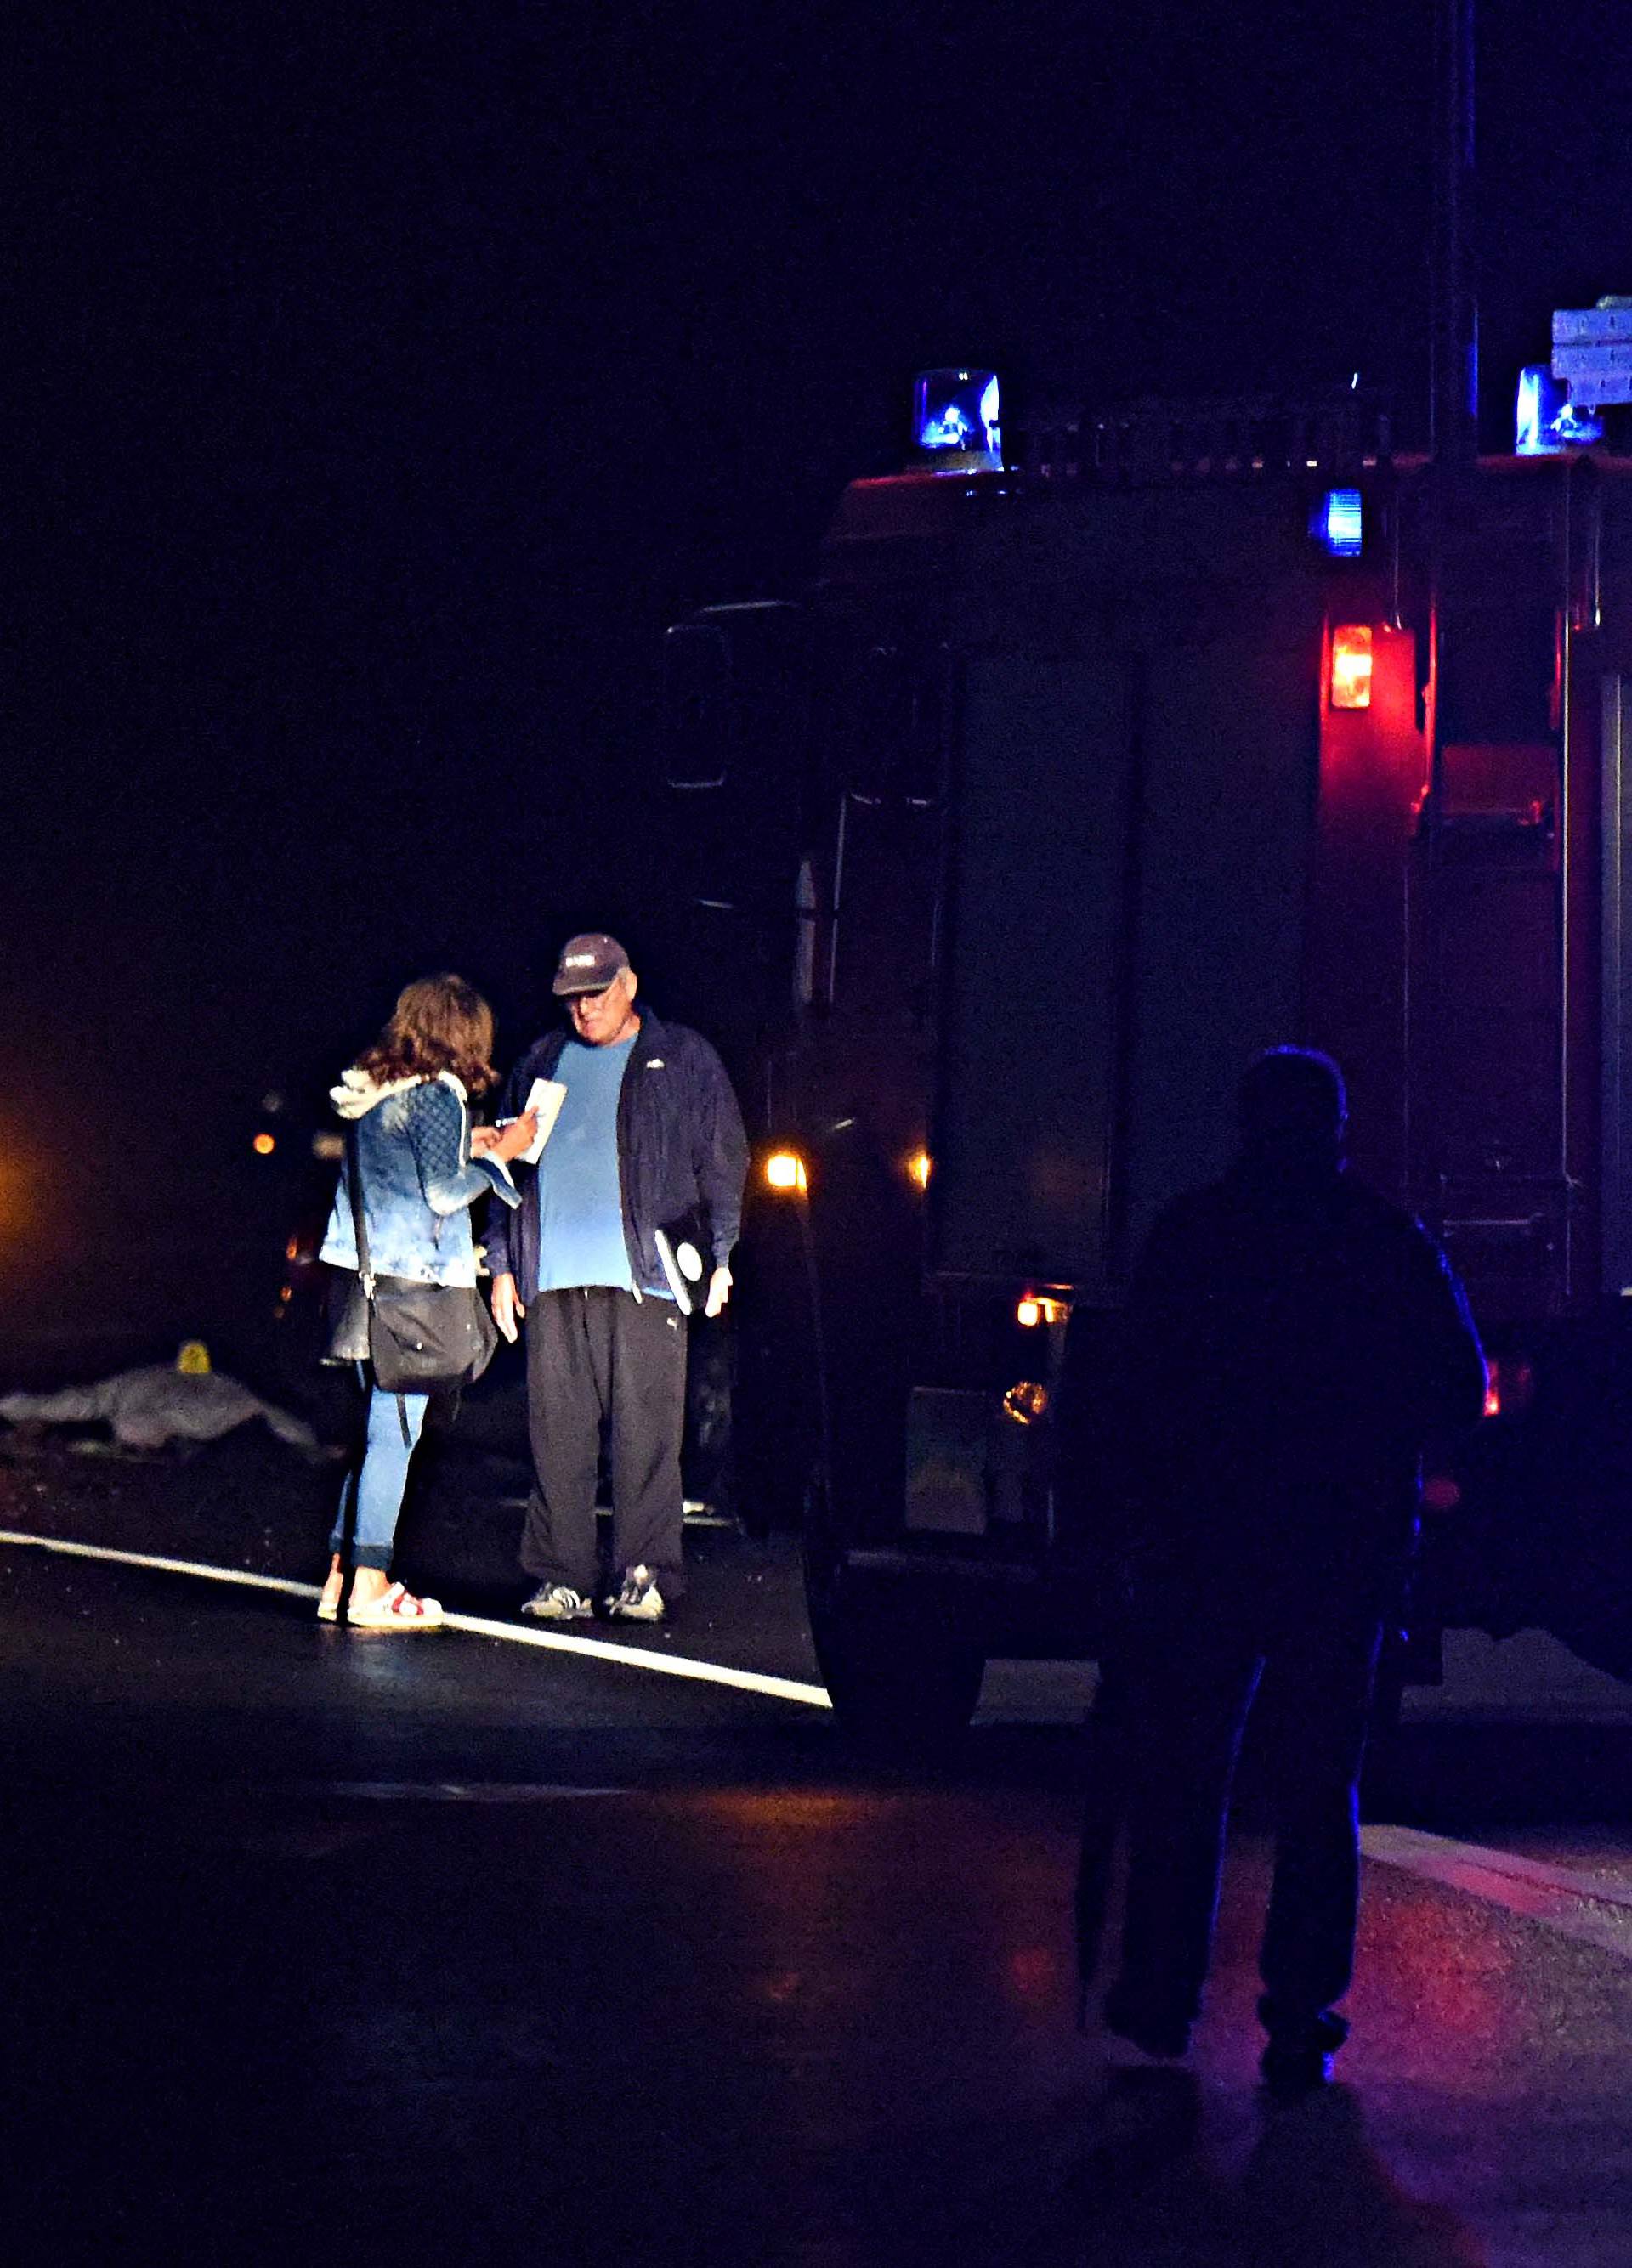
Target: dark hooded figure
1293, 1343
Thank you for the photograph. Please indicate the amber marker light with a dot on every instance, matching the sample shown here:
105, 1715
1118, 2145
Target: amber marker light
1351, 666
784, 1171
264, 1144
1027, 1404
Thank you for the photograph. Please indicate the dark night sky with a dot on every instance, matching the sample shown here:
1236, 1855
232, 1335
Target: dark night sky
389, 373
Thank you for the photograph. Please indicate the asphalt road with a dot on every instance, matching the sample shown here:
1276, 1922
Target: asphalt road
445, 1947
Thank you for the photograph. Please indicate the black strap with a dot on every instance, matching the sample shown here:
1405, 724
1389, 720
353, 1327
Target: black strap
354, 1183
364, 1272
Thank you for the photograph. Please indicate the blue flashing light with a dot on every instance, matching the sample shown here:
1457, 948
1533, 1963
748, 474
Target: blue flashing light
1338, 523
955, 413
1546, 421
1541, 398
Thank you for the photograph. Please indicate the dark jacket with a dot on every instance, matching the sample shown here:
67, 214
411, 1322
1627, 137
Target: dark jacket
1291, 1350
680, 1147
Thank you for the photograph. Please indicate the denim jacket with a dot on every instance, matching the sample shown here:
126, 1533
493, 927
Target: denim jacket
419, 1179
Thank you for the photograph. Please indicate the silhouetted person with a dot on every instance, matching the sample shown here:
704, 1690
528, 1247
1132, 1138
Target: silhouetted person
1293, 1343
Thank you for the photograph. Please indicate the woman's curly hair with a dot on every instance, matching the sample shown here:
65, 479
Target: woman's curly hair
439, 1023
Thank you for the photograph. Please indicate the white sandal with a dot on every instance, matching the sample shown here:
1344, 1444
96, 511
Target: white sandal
395, 1609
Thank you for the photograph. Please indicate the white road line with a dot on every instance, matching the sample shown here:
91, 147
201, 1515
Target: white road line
480, 1791
1573, 1904
667, 1665
663, 1665
165, 1566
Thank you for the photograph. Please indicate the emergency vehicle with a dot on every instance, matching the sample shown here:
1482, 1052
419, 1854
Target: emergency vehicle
1081, 774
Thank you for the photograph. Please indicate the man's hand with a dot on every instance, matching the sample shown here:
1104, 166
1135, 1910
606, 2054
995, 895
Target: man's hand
483, 1138
507, 1309
719, 1290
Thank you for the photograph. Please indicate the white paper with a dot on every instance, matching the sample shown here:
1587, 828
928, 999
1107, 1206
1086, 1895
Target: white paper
545, 1096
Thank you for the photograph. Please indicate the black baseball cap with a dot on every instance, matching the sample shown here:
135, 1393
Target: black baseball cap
588, 963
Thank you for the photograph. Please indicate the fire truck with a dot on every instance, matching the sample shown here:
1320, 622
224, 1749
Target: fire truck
1082, 771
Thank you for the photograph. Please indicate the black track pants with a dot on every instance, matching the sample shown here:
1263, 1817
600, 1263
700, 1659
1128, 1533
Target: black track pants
601, 1358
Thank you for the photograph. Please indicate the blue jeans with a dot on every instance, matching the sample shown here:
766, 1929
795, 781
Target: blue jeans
378, 1486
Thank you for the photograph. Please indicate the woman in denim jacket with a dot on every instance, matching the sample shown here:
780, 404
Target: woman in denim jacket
422, 1168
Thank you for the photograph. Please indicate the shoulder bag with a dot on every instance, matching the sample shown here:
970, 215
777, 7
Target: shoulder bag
418, 1337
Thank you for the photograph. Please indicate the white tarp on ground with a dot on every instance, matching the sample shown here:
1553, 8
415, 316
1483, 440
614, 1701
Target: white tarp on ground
148, 1409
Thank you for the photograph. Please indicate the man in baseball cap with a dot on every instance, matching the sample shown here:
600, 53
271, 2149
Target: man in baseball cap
588, 964
648, 1132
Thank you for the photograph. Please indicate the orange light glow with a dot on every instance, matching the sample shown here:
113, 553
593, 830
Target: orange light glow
1029, 1315
920, 1168
784, 1171
1035, 1309
1027, 1404
1351, 666
264, 1144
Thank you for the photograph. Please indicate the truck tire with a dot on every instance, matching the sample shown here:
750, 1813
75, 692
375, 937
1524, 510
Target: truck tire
901, 1680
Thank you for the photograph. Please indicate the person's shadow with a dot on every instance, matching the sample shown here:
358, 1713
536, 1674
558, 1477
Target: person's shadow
1319, 2193
1313, 2194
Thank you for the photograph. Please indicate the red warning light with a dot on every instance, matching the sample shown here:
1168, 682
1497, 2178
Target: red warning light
1351, 666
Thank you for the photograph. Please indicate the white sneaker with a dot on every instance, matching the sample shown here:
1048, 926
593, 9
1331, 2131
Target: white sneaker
638, 1600
556, 1602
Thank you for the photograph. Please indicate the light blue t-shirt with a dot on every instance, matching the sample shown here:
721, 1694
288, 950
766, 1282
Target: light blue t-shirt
580, 1209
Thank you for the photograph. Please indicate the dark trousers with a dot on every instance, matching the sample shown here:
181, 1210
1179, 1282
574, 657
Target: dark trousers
600, 1360
1185, 1690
